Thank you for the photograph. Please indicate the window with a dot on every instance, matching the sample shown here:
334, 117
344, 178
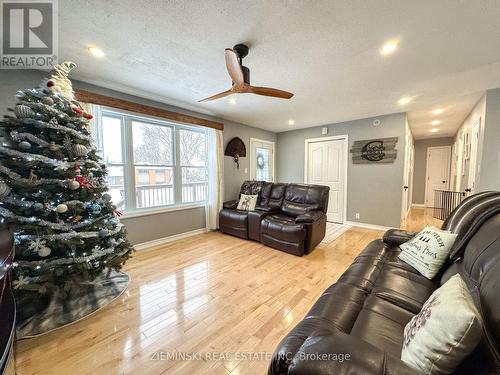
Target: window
152, 163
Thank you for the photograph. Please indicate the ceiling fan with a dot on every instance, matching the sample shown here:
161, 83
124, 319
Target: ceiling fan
240, 76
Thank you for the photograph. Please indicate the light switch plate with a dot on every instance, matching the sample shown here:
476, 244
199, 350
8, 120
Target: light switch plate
324, 131
246, 170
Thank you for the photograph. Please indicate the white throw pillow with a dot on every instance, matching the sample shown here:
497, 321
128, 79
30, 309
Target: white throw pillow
428, 250
247, 202
445, 332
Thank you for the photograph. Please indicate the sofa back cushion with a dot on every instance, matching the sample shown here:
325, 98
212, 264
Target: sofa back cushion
480, 269
468, 217
300, 198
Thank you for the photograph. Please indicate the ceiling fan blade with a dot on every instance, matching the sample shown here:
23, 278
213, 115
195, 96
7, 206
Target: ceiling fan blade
234, 67
268, 91
217, 96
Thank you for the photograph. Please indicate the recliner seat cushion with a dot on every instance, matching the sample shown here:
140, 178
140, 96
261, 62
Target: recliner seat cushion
283, 228
234, 222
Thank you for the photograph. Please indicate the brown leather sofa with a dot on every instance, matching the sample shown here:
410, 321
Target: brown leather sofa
288, 217
364, 313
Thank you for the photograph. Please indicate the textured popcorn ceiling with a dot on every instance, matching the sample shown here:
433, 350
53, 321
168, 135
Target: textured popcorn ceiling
326, 52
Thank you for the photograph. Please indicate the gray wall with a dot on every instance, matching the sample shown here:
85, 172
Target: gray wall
420, 165
374, 191
233, 177
489, 173
150, 227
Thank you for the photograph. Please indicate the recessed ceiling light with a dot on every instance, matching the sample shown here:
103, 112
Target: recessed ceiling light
405, 100
232, 100
438, 111
434, 130
389, 47
291, 122
96, 52
435, 122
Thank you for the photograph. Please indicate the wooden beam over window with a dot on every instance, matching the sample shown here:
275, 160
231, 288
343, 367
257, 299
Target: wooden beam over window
108, 101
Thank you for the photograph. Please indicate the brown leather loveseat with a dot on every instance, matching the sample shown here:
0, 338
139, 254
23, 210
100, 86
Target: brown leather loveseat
359, 321
288, 217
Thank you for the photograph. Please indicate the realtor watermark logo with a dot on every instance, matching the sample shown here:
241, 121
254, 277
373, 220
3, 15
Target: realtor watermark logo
28, 34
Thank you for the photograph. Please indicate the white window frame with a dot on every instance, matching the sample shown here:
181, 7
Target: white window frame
253, 155
128, 165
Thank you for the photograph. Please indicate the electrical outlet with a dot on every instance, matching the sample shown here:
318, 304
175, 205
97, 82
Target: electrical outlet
324, 131
357, 215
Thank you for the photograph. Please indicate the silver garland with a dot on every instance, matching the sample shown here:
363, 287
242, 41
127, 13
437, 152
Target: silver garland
67, 236
28, 157
97, 252
17, 178
57, 226
40, 123
56, 163
41, 107
22, 136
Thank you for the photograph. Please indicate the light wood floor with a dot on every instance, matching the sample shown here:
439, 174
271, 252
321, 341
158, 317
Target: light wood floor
210, 293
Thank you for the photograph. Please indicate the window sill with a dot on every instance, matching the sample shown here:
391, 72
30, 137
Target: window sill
161, 210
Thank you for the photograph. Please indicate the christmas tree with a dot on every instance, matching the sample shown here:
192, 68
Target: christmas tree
53, 192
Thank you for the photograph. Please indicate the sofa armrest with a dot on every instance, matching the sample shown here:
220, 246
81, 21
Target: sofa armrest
230, 204
397, 237
335, 352
309, 217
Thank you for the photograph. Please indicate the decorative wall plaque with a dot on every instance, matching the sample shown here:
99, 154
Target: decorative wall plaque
374, 151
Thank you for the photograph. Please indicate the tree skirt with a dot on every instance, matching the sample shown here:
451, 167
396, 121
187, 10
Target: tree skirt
58, 312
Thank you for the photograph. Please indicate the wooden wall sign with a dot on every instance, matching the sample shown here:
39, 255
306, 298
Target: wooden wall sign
374, 151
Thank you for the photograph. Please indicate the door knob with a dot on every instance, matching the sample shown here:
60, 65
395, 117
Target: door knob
444, 182
405, 187
468, 190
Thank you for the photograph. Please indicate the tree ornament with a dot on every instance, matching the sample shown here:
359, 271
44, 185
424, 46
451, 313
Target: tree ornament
45, 251
23, 111
39, 246
61, 208
32, 176
103, 233
47, 100
78, 110
50, 83
84, 183
95, 208
24, 145
106, 197
60, 82
74, 185
80, 150
38, 206
53, 147
4, 189
88, 116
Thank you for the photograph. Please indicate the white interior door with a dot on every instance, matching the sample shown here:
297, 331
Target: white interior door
438, 172
325, 165
473, 159
261, 160
407, 176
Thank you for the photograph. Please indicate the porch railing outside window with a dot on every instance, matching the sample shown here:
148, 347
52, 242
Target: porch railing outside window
152, 163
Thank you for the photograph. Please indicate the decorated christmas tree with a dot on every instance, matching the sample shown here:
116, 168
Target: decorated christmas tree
53, 193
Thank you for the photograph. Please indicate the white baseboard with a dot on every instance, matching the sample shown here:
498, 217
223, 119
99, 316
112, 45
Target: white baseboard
368, 226
418, 205
164, 240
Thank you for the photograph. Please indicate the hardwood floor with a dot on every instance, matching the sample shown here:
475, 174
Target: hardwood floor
211, 293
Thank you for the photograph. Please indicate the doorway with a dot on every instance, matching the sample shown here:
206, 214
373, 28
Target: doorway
261, 160
437, 172
326, 164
